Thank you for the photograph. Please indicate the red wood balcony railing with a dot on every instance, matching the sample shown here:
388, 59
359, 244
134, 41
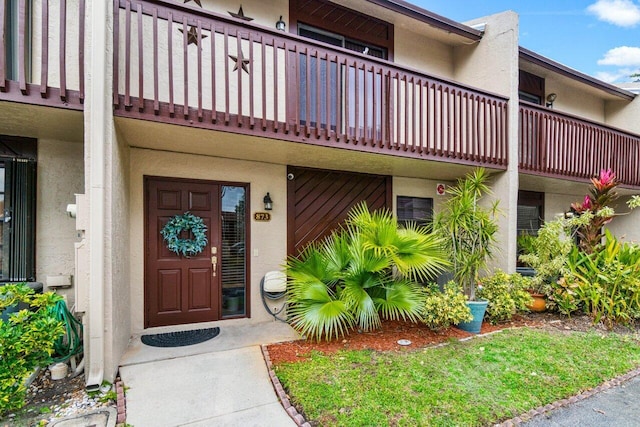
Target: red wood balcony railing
42, 52
179, 64
557, 144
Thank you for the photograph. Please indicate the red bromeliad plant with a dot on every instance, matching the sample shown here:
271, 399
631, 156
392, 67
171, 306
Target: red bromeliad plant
597, 207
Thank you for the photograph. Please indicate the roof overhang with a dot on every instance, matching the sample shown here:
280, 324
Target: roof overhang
430, 18
556, 67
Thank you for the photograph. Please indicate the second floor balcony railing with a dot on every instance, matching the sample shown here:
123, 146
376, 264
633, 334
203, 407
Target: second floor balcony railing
178, 64
42, 52
558, 144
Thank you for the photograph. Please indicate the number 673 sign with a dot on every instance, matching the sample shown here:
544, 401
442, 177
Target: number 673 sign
262, 216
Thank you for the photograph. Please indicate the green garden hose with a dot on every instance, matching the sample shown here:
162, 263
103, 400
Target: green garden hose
69, 344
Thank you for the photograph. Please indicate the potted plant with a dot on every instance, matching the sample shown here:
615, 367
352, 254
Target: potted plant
468, 230
547, 256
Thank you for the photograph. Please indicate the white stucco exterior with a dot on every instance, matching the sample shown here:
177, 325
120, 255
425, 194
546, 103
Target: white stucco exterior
105, 159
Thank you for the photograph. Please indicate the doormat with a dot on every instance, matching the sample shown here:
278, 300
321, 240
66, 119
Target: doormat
180, 338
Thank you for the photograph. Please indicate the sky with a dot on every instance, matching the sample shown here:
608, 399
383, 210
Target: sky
600, 38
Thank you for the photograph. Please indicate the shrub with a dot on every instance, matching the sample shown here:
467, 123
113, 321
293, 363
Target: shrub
548, 254
365, 272
26, 340
606, 283
506, 294
443, 309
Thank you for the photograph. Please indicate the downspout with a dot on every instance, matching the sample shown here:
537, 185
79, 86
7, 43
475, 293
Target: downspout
96, 132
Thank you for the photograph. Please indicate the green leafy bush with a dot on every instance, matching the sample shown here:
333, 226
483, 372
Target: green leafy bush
606, 283
361, 274
506, 294
547, 254
26, 340
443, 309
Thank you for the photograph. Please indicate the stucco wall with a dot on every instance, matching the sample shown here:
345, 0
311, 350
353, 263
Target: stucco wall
573, 99
268, 239
492, 64
627, 226
624, 115
557, 204
417, 51
414, 187
60, 176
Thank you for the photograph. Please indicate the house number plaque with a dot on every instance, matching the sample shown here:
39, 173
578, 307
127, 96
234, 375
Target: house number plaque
262, 216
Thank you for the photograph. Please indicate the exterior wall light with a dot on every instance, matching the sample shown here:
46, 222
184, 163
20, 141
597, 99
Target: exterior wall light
551, 99
281, 25
268, 203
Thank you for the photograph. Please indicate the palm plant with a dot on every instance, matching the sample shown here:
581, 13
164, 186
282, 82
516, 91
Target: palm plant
468, 229
361, 274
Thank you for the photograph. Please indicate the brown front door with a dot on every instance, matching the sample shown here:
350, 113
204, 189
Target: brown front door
180, 289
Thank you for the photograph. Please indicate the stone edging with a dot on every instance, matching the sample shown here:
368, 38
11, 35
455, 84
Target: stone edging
527, 416
300, 421
121, 403
284, 399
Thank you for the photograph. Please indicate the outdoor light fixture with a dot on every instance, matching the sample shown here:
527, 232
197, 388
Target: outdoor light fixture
550, 99
281, 25
268, 203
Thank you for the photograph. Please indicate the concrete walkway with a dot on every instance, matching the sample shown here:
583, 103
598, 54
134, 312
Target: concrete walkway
221, 382
617, 406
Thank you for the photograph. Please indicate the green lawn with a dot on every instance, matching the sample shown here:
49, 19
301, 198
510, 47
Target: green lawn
473, 383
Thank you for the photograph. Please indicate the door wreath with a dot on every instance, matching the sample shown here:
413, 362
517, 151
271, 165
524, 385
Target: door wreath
185, 222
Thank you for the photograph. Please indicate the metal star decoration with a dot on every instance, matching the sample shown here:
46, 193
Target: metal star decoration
240, 61
192, 35
195, 1
240, 15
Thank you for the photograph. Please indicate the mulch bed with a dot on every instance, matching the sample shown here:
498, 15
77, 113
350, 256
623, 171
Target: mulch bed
385, 339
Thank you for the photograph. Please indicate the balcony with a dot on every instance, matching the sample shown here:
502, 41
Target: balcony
42, 52
560, 145
178, 64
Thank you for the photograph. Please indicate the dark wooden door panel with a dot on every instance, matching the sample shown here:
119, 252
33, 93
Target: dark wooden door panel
180, 289
319, 200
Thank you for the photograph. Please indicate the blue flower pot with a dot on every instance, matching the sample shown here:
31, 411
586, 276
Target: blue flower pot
477, 311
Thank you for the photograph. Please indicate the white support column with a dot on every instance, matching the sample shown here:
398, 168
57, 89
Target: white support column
97, 130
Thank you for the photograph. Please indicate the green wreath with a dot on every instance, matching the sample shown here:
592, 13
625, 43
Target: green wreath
179, 223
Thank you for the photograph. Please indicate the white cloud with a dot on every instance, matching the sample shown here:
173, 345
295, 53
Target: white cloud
624, 13
619, 76
623, 56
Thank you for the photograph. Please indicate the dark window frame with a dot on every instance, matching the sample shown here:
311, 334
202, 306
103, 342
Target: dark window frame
18, 250
423, 221
302, 12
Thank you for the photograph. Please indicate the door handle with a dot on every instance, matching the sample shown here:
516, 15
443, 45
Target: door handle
214, 264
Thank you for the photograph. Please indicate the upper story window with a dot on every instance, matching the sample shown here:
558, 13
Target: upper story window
337, 25
531, 88
338, 40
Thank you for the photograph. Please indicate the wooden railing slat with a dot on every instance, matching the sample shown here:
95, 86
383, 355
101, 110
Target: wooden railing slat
127, 56
22, 46
140, 62
156, 61
172, 108
185, 67
199, 53
63, 50
116, 52
81, 14
3, 40
44, 61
